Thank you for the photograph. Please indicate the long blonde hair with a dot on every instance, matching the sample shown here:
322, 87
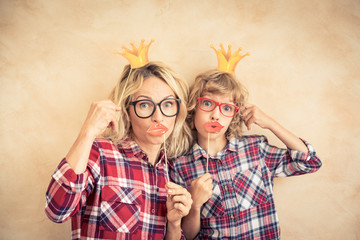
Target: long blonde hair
218, 82
178, 142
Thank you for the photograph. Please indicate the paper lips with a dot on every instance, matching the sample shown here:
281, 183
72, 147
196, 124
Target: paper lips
213, 127
157, 130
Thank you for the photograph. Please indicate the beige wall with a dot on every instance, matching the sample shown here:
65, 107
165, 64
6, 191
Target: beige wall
57, 56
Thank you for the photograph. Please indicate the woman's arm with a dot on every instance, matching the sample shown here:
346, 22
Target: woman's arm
100, 116
178, 205
72, 183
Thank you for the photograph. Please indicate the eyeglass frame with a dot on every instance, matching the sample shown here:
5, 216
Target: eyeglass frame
177, 100
217, 104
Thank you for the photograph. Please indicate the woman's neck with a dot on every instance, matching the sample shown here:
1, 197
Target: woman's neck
214, 144
152, 150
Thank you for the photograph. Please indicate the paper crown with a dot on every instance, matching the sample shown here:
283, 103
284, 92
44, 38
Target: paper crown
137, 57
226, 61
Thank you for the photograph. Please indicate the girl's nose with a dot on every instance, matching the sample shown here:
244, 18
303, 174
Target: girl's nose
215, 114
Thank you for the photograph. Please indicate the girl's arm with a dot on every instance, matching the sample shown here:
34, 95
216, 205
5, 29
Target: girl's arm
252, 114
201, 191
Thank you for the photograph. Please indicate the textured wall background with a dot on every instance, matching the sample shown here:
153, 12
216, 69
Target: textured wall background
56, 57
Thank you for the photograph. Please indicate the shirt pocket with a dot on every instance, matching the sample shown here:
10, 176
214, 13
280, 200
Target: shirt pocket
120, 209
214, 207
249, 188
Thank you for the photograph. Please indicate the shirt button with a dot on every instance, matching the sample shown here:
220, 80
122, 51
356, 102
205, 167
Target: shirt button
152, 210
232, 217
226, 188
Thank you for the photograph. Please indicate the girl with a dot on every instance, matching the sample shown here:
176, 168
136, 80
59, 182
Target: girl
229, 175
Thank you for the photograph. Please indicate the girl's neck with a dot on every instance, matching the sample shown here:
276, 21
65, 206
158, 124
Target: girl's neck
215, 143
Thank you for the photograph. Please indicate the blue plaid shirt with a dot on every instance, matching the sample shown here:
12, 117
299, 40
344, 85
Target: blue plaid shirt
242, 202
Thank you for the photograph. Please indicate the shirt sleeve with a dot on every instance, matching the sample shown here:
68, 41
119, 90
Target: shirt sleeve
289, 162
174, 174
68, 191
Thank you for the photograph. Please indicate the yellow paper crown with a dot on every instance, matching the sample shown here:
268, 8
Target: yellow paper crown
226, 61
137, 57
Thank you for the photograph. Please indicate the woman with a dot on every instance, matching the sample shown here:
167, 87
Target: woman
115, 187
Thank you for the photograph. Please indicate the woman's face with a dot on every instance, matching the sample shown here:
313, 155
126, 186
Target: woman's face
204, 121
155, 89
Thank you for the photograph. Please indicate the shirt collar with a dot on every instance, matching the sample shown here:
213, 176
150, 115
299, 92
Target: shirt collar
199, 152
132, 149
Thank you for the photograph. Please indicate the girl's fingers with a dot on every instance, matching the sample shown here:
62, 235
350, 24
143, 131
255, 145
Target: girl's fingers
249, 122
208, 181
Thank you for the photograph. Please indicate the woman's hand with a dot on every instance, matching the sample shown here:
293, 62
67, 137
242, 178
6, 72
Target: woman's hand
102, 114
201, 190
178, 203
252, 114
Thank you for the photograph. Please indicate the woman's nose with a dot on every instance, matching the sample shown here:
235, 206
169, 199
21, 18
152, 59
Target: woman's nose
157, 116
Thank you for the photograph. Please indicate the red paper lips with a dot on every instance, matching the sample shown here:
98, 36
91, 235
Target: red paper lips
157, 130
213, 127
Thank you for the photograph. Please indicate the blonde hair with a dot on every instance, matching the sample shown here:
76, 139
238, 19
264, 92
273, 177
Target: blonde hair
218, 82
178, 141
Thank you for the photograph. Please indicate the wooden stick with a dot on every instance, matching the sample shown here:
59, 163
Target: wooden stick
122, 94
166, 164
207, 154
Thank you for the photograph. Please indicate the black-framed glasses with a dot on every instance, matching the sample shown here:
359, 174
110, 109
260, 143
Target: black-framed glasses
208, 105
145, 108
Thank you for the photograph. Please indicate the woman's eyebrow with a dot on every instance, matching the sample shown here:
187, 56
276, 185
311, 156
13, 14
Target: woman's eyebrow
143, 96
169, 96
147, 97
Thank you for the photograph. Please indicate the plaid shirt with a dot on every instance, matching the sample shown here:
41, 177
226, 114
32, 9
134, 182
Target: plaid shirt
121, 195
242, 203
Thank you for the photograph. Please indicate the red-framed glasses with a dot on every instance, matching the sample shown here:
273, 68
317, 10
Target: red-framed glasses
208, 105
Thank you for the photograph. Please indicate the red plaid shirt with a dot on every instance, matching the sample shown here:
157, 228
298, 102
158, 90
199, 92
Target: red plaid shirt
242, 203
121, 195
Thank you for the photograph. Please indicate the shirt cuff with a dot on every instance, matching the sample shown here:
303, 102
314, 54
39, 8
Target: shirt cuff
66, 177
301, 155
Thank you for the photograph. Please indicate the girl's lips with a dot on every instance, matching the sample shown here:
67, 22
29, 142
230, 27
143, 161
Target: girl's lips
213, 127
157, 130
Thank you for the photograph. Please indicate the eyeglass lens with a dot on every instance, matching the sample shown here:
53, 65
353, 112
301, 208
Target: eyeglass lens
209, 105
146, 108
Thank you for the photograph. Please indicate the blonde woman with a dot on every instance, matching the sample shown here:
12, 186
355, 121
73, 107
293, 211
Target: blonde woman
115, 186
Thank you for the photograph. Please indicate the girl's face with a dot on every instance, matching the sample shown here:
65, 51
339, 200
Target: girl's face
204, 120
145, 130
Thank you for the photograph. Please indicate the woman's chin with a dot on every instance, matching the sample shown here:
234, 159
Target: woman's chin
156, 140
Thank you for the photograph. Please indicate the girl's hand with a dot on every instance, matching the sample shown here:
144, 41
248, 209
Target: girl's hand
252, 114
201, 190
178, 203
101, 115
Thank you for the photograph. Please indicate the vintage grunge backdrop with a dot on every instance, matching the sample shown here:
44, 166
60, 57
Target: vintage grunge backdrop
56, 57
